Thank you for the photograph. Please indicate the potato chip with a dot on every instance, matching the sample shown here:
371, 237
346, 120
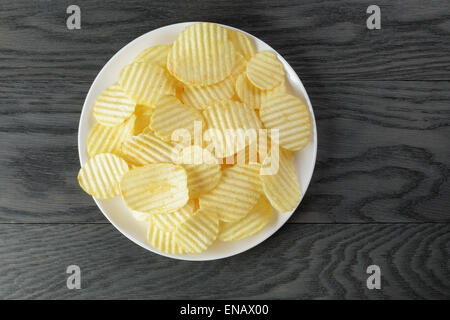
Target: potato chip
240, 65
252, 96
232, 124
265, 71
147, 130
236, 194
163, 241
202, 97
247, 155
113, 106
141, 216
169, 221
252, 223
179, 89
143, 115
280, 186
202, 168
107, 139
100, 175
157, 55
146, 148
198, 232
155, 188
202, 55
291, 117
170, 114
242, 43
144, 82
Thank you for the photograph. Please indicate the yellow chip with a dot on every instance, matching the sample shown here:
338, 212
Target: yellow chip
107, 139
245, 156
198, 232
202, 168
141, 216
252, 96
100, 175
170, 114
157, 55
280, 186
232, 125
143, 115
291, 117
113, 106
239, 67
252, 223
179, 89
202, 55
265, 71
169, 221
236, 194
202, 97
242, 43
147, 130
145, 82
163, 241
146, 148
155, 188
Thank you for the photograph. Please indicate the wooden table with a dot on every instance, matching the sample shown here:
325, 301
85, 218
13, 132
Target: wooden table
380, 191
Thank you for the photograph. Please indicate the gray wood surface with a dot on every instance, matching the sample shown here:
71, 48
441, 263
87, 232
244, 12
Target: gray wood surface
301, 261
380, 191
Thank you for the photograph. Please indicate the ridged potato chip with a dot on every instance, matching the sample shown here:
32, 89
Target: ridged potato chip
107, 139
236, 194
281, 188
291, 117
100, 175
265, 71
228, 115
113, 106
157, 55
252, 96
143, 115
242, 43
169, 221
202, 55
141, 216
155, 188
145, 82
240, 65
202, 97
202, 168
163, 241
170, 114
179, 89
252, 223
146, 148
198, 232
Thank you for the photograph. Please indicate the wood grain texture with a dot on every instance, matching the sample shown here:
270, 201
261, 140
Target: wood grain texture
383, 153
379, 194
321, 39
298, 262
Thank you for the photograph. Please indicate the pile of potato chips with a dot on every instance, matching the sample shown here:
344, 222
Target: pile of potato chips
213, 77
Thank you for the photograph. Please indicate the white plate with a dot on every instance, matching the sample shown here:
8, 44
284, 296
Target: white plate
116, 211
